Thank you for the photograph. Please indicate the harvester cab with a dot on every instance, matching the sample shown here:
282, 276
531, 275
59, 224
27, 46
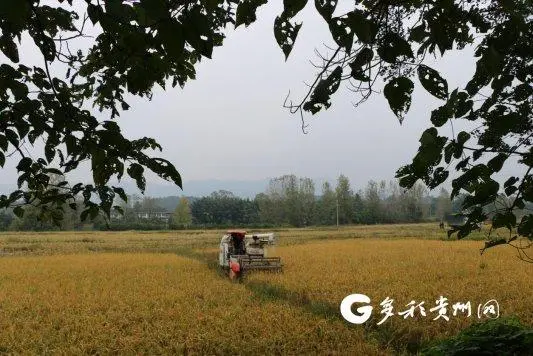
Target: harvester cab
241, 252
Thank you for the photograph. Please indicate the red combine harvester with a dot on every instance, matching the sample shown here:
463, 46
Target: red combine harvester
241, 252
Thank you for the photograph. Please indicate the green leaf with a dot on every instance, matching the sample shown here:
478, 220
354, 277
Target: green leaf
418, 33
510, 190
496, 163
462, 164
363, 57
480, 79
164, 169
3, 142
285, 34
487, 191
440, 116
94, 12
507, 219
170, 33
462, 137
408, 181
46, 45
9, 48
429, 137
326, 8
325, 88
18, 211
398, 92
448, 152
84, 215
392, 46
439, 176
246, 12
511, 181
156, 9
463, 105
338, 28
12, 137
198, 31
20, 90
433, 82
523, 92
365, 29
121, 193
50, 152
525, 228
15, 13
360, 75
93, 211
136, 171
292, 7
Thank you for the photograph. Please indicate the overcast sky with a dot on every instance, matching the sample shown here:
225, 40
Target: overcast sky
229, 124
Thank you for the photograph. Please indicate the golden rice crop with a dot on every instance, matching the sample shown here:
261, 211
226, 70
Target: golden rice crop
95, 292
150, 303
405, 270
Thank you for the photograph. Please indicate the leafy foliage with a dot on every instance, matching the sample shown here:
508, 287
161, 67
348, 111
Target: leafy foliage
154, 42
139, 44
391, 40
222, 208
494, 337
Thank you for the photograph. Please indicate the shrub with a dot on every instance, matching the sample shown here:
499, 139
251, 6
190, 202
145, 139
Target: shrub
506, 336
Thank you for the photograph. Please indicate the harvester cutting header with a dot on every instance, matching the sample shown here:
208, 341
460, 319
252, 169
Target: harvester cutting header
241, 252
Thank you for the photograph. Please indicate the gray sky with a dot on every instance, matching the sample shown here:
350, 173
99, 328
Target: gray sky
229, 124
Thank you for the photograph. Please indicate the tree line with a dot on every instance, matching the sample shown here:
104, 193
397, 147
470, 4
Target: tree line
287, 201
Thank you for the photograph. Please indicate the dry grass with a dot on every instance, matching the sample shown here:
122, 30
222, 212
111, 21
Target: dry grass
106, 293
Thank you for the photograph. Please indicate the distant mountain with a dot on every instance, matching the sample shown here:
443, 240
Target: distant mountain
244, 189
196, 188
170, 203
199, 188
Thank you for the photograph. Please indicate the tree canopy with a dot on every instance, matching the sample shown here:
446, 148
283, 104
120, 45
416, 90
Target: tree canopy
145, 43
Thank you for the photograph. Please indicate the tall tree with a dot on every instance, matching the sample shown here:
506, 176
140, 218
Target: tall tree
149, 205
267, 209
373, 204
327, 206
288, 200
344, 195
444, 204
307, 199
415, 203
224, 208
182, 216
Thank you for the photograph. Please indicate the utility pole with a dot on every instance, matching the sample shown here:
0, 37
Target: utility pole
337, 200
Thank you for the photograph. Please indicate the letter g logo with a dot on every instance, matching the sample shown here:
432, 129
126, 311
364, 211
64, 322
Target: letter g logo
364, 311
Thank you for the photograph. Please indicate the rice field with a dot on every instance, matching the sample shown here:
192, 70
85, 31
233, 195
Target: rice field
161, 292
